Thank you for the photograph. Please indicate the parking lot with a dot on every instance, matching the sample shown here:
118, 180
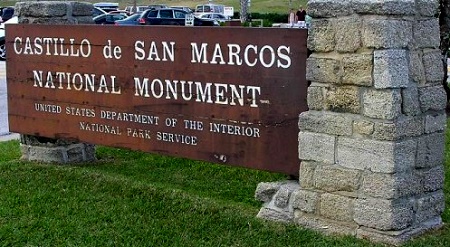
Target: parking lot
3, 101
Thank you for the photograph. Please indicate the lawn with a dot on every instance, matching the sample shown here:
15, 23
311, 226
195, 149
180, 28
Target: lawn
131, 198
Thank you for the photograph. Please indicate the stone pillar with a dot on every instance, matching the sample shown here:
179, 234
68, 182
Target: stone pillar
372, 143
35, 148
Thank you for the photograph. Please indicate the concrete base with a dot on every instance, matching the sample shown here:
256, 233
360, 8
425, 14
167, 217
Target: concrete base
55, 151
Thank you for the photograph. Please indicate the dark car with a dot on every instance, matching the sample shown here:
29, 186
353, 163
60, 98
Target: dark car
157, 6
6, 13
109, 18
131, 20
170, 16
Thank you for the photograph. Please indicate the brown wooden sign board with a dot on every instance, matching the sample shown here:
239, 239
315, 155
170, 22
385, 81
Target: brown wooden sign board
222, 94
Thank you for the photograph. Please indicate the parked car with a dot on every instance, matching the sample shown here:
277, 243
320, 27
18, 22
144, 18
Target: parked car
120, 11
157, 6
131, 20
107, 6
138, 8
185, 8
6, 13
96, 11
209, 8
214, 16
12, 20
109, 18
170, 16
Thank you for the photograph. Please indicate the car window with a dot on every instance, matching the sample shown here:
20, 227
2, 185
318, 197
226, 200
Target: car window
152, 14
119, 17
165, 13
109, 18
180, 14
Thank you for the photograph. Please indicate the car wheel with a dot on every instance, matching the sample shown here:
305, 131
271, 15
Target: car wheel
2, 50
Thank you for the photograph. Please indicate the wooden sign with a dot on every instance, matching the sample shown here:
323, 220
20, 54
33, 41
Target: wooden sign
221, 94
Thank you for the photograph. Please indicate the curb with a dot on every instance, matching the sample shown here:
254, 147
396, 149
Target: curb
9, 137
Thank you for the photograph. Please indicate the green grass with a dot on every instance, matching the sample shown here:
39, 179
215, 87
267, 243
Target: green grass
136, 199
261, 6
131, 198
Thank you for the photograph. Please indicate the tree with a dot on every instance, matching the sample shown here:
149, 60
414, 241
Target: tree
244, 10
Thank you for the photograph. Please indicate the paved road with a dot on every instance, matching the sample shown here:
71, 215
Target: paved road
3, 102
4, 128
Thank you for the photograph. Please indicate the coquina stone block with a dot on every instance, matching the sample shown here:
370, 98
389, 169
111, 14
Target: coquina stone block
382, 104
327, 8
336, 178
81, 8
266, 191
390, 68
403, 7
410, 100
357, 69
321, 224
305, 200
427, 7
394, 238
306, 174
279, 206
337, 207
321, 37
343, 99
316, 147
363, 127
426, 33
316, 97
430, 150
77, 153
386, 33
55, 154
384, 214
416, 69
434, 66
282, 197
54, 12
326, 122
432, 179
430, 205
323, 70
42, 9
432, 98
403, 127
435, 122
377, 156
389, 185
348, 34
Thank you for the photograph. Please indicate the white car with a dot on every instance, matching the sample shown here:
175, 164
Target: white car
13, 20
215, 16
